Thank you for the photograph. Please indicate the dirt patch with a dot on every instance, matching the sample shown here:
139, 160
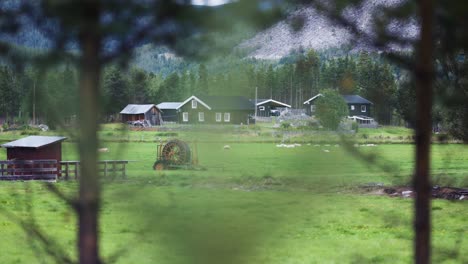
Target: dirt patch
448, 193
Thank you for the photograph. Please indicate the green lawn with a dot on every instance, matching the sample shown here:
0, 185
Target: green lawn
253, 203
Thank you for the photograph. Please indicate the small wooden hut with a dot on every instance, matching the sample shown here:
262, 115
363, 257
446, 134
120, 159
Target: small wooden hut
141, 112
33, 157
35, 148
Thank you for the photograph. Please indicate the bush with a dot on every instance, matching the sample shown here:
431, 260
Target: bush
285, 125
355, 126
331, 108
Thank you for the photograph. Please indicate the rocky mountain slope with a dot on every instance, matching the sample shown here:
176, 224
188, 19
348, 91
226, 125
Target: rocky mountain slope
319, 33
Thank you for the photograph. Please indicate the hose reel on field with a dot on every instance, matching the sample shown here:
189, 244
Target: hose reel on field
175, 153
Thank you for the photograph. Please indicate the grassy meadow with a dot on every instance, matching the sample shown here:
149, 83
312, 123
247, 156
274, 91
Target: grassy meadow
253, 203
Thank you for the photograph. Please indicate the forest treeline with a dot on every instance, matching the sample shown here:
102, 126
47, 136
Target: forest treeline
292, 80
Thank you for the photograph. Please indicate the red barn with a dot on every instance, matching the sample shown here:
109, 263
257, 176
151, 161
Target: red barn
35, 148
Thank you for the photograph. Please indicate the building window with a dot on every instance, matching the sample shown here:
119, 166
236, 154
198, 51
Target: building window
261, 108
185, 116
201, 116
352, 107
312, 108
363, 108
218, 117
227, 117
194, 103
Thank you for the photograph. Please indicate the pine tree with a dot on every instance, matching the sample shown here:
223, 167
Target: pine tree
116, 92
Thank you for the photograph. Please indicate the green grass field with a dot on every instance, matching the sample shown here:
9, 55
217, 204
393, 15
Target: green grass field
253, 203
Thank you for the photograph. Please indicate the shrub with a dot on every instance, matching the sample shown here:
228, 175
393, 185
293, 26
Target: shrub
331, 109
355, 126
285, 125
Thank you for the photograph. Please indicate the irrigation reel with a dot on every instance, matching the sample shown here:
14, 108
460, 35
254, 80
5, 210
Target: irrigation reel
175, 154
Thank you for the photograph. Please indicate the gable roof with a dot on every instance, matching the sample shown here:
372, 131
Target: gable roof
221, 102
355, 99
169, 105
33, 142
133, 109
313, 98
193, 97
228, 102
264, 101
349, 99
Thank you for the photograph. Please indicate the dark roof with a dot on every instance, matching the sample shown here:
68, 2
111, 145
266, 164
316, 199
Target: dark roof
228, 102
349, 99
355, 99
33, 142
133, 109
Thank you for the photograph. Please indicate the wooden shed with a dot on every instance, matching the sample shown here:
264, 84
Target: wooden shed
32, 158
169, 111
35, 148
141, 112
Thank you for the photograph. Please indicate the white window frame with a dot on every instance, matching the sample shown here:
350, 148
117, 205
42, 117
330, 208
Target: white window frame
219, 117
312, 108
227, 117
261, 108
363, 108
194, 104
185, 116
352, 107
201, 116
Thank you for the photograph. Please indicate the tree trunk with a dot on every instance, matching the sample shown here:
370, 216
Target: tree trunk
89, 194
422, 186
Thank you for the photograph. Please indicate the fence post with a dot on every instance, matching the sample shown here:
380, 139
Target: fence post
76, 169
105, 169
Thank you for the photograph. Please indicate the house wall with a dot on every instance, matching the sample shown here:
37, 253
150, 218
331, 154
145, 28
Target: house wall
357, 110
236, 116
307, 108
154, 116
169, 115
127, 117
266, 112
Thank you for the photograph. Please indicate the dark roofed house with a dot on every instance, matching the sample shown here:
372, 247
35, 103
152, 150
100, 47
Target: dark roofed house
268, 107
141, 112
216, 110
357, 105
169, 111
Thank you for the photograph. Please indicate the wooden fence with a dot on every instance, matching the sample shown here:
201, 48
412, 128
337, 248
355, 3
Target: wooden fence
28, 170
51, 171
107, 168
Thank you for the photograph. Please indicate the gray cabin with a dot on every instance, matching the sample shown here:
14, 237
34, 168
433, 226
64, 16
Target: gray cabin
141, 112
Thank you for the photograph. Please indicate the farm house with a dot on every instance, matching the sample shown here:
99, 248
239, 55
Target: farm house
146, 113
216, 110
357, 105
269, 107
